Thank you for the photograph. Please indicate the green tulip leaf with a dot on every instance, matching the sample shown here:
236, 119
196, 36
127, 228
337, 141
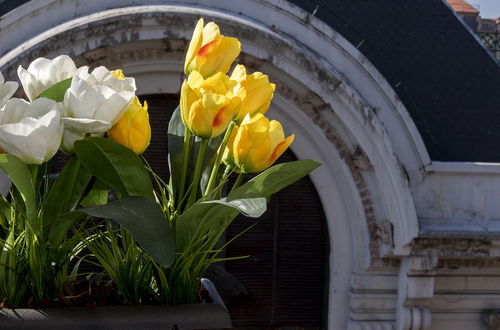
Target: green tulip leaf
21, 177
214, 215
66, 192
62, 224
175, 143
274, 179
249, 207
56, 92
116, 165
145, 220
98, 195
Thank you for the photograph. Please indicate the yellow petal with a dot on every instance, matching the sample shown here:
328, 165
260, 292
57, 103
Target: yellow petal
276, 134
211, 32
195, 79
216, 83
118, 74
217, 55
239, 73
203, 114
133, 129
225, 116
187, 99
252, 144
194, 45
278, 151
255, 101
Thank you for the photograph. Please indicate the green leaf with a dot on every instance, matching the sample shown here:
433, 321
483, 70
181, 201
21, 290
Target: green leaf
145, 220
274, 179
60, 229
116, 165
98, 195
21, 177
66, 192
175, 143
249, 207
56, 92
214, 215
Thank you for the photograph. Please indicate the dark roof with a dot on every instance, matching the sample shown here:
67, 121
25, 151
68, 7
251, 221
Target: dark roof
8, 5
448, 82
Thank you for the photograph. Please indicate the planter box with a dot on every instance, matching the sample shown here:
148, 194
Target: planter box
196, 316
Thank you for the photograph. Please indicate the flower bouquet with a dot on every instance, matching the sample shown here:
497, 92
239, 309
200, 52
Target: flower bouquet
156, 238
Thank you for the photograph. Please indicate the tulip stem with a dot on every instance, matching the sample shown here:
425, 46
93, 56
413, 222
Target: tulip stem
220, 152
239, 180
197, 172
185, 163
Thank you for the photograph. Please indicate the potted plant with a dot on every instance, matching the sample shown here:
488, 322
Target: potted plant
164, 235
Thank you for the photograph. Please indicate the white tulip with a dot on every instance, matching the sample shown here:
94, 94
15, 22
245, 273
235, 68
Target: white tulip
94, 104
7, 89
43, 73
31, 131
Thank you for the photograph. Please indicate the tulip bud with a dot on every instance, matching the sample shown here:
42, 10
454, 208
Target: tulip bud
133, 129
257, 144
254, 90
208, 105
210, 52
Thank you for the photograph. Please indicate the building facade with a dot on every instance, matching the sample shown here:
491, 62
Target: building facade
487, 29
406, 130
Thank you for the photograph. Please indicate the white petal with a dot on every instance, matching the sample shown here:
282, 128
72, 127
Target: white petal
69, 138
113, 108
7, 90
14, 111
42, 106
36, 138
62, 67
29, 83
126, 84
22, 140
99, 75
81, 100
43, 73
86, 125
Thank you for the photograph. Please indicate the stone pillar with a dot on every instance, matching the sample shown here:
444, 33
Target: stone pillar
415, 291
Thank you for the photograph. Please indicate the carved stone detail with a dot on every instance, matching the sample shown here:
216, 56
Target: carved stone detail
415, 291
372, 325
491, 320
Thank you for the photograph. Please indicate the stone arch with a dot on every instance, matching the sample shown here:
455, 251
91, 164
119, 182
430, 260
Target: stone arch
343, 111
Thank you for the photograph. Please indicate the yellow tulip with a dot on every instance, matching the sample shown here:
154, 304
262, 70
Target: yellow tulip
254, 90
208, 105
210, 52
133, 129
257, 144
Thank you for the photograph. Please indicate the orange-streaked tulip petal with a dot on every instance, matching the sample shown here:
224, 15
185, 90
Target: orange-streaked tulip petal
218, 55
